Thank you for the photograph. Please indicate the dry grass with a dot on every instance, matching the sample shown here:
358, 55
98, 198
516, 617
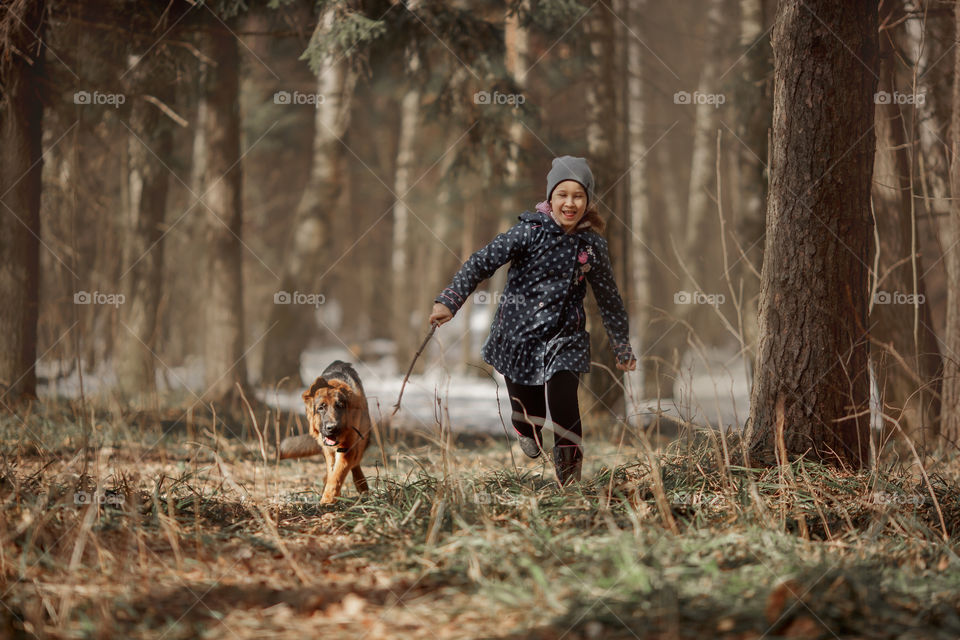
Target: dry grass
197, 537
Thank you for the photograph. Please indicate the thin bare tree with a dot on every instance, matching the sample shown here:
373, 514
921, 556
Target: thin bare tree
150, 84
905, 356
752, 110
21, 164
951, 374
605, 146
637, 162
224, 361
403, 323
323, 198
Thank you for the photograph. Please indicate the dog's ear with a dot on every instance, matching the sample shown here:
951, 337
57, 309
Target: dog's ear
318, 384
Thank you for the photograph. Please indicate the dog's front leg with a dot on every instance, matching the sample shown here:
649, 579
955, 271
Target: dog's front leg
335, 477
359, 480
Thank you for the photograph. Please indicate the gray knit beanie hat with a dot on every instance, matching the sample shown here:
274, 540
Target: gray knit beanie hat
570, 168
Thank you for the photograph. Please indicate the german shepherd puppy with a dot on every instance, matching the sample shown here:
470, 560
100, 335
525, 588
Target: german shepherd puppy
340, 428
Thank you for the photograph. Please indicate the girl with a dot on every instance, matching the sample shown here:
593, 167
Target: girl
538, 339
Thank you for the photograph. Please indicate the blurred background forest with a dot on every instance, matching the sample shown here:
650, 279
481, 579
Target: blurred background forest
210, 190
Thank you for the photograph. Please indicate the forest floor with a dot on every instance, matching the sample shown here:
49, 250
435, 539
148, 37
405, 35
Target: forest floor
190, 534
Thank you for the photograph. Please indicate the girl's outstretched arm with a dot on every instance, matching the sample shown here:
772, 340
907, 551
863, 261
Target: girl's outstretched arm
482, 264
612, 311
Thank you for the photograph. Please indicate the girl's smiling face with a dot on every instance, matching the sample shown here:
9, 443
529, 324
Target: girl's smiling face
568, 204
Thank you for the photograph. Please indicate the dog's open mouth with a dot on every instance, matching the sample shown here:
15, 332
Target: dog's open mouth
330, 442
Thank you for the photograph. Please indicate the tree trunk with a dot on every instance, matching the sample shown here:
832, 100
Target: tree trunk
439, 243
149, 151
293, 325
701, 223
811, 385
602, 138
403, 324
21, 165
900, 316
753, 112
927, 43
703, 160
185, 336
663, 336
950, 424
224, 346
516, 62
516, 44
639, 196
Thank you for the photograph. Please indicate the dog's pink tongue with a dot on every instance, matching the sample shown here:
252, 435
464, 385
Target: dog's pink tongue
329, 441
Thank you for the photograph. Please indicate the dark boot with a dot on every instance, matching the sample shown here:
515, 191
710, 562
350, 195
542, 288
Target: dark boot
531, 446
567, 460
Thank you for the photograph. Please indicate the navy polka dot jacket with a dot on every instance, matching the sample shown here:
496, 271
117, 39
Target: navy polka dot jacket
540, 325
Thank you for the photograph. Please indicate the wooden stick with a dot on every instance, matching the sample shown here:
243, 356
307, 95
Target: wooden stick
396, 407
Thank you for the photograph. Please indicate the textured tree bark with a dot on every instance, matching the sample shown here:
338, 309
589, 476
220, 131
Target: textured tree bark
21, 164
224, 362
901, 325
293, 325
950, 425
811, 386
149, 154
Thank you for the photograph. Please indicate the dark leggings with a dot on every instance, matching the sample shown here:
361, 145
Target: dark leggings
561, 394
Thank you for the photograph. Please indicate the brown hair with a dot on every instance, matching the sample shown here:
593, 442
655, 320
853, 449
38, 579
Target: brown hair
592, 215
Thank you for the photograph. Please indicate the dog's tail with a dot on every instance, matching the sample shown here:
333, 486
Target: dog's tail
299, 447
